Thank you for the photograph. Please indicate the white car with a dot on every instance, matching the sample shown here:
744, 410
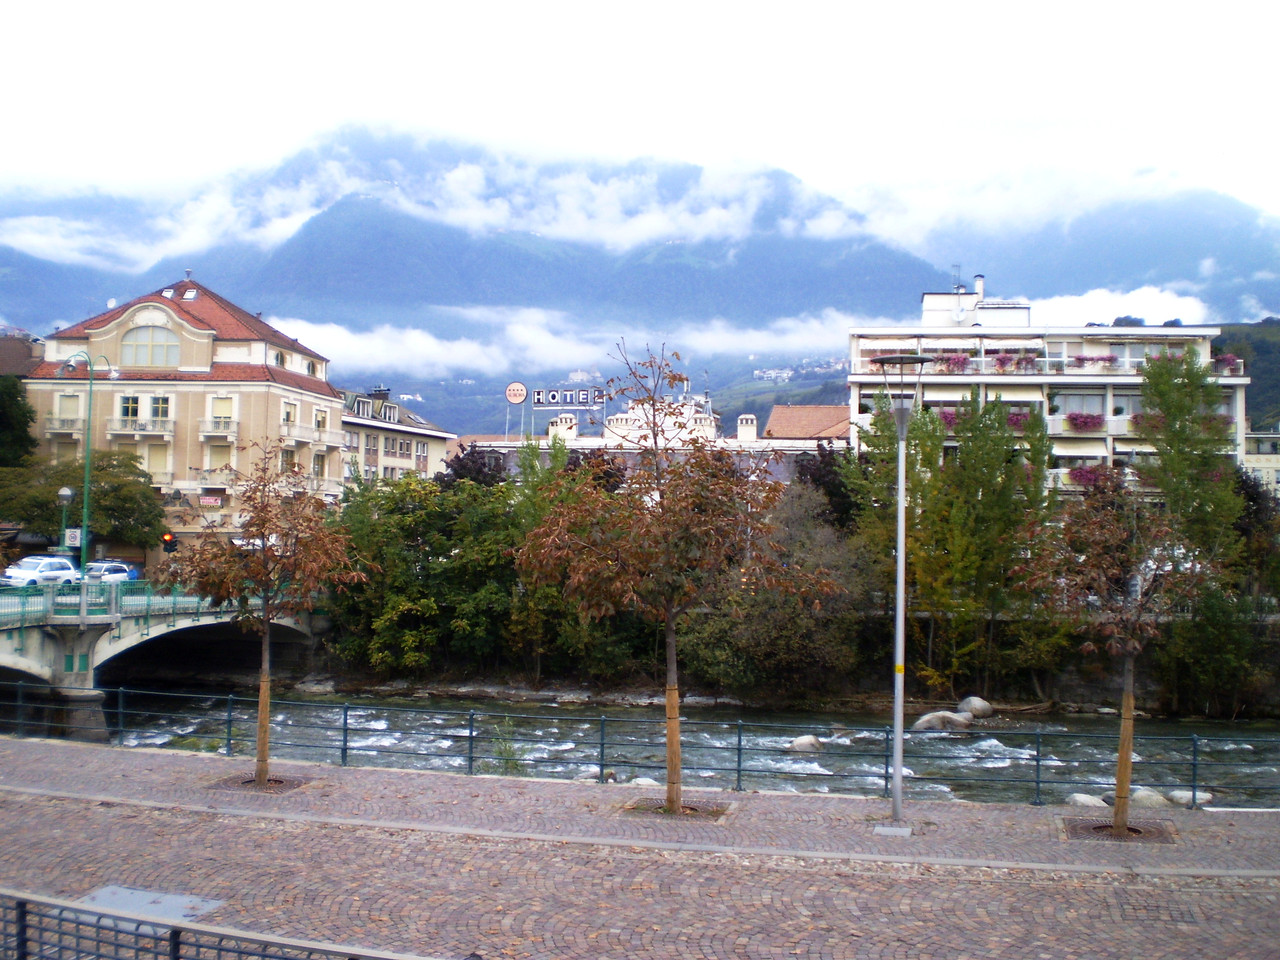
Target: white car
30, 571
107, 571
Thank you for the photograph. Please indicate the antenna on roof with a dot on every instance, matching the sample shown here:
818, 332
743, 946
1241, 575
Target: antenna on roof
188, 272
955, 278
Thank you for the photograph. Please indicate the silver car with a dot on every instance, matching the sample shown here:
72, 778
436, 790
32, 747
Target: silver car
30, 571
107, 571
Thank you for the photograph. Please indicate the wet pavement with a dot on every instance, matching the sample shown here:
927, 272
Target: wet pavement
443, 865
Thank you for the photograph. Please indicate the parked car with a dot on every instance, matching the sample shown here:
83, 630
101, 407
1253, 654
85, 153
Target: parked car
37, 569
109, 571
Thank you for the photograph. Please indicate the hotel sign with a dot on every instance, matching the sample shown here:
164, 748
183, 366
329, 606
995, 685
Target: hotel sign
568, 397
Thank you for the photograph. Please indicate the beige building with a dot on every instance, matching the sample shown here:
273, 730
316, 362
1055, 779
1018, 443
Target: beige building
384, 441
181, 377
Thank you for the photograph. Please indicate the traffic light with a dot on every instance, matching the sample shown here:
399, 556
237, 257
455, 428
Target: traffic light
170, 541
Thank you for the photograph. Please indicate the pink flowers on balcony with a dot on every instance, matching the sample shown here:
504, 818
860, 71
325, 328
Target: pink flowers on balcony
1085, 422
1086, 476
954, 362
1018, 420
1096, 359
948, 418
1004, 362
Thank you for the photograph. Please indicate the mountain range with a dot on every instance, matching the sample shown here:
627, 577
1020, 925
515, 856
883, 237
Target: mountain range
376, 233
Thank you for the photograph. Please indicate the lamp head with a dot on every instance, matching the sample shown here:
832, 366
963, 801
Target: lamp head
66, 495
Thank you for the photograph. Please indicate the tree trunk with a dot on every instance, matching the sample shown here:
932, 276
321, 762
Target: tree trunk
674, 799
1124, 761
260, 775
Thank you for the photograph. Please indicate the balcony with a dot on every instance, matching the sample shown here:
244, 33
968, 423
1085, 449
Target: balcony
138, 427
63, 426
220, 428
298, 433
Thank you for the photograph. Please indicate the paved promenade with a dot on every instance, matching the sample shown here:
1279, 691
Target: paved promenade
442, 865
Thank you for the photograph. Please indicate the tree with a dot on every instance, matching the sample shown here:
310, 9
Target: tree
123, 505
284, 556
16, 417
1191, 465
1114, 564
658, 544
475, 465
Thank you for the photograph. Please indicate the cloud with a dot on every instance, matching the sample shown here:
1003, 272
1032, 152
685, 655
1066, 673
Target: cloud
1155, 305
826, 334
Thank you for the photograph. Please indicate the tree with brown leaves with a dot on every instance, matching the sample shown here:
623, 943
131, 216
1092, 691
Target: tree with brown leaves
686, 512
282, 557
1113, 563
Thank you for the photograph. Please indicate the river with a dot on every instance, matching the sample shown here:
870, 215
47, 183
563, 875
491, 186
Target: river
1016, 758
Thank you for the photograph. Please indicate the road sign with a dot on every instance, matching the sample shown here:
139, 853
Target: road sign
72, 537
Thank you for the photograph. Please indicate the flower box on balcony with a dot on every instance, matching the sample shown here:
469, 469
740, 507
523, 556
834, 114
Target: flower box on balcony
1094, 360
1004, 362
954, 362
1086, 476
1084, 422
1018, 421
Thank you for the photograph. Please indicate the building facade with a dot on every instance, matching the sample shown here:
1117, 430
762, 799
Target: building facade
183, 378
1085, 379
384, 441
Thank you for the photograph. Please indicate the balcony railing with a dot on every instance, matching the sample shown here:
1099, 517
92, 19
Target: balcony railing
220, 427
1019, 367
74, 425
139, 426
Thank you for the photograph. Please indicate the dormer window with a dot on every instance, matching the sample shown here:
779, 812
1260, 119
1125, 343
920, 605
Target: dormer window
311, 368
189, 294
279, 359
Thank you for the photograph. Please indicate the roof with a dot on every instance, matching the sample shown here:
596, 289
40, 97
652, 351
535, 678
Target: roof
808, 422
17, 357
204, 310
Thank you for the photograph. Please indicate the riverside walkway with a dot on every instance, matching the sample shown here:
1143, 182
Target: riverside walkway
446, 866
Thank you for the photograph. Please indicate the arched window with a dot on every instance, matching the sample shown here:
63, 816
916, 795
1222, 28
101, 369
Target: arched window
149, 347
311, 368
279, 359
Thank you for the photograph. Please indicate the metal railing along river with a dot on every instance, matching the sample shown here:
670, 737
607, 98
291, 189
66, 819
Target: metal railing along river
41, 927
1017, 762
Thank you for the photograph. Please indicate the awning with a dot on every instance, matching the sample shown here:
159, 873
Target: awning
1079, 447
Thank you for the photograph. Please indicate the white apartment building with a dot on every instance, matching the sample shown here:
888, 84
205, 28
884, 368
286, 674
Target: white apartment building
1086, 379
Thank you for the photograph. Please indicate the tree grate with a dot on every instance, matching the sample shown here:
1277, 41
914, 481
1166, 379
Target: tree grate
1099, 828
714, 810
243, 784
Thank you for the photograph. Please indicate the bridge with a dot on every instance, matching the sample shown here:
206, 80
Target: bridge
61, 633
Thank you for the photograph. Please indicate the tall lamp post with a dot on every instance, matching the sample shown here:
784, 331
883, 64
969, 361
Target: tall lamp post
901, 396
70, 364
65, 496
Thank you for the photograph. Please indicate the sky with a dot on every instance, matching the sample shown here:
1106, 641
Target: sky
916, 114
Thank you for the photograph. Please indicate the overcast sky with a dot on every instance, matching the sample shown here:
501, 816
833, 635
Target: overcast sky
909, 110
913, 113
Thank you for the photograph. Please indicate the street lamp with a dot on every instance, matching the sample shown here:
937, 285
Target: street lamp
70, 364
901, 396
65, 496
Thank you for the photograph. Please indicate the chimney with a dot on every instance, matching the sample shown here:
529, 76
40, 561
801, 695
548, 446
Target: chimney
564, 426
380, 392
979, 285
747, 428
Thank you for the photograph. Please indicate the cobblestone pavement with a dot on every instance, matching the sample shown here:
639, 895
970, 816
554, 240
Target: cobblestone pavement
443, 865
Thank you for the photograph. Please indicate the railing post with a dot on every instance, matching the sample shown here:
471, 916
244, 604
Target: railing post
1195, 767
120, 715
175, 944
1037, 802
230, 707
888, 758
471, 741
738, 784
601, 778
20, 929
346, 710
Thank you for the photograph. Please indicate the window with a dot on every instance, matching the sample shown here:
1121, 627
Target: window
68, 407
322, 418
318, 465
389, 445
159, 408
288, 461
219, 456
279, 359
311, 368
129, 408
221, 409
371, 443
149, 347
290, 413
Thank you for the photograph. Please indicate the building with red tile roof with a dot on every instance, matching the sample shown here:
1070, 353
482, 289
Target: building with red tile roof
184, 379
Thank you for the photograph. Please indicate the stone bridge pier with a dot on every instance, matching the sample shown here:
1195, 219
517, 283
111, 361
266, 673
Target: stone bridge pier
75, 706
